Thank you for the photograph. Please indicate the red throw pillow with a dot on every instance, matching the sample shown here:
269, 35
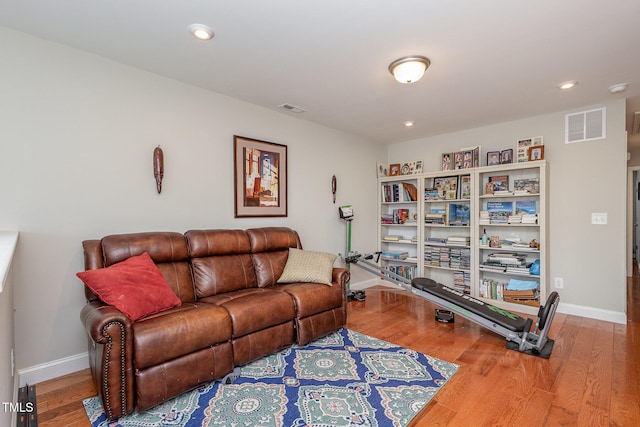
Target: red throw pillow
135, 287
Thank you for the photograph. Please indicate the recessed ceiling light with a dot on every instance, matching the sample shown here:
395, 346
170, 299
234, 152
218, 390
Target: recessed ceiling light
620, 87
568, 84
409, 124
201, 32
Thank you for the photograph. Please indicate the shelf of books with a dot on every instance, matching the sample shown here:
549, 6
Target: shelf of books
446, 231
398, 231
510, 254
480, 230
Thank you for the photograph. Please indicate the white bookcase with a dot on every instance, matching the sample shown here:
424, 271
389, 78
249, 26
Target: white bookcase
398, 233
441, 236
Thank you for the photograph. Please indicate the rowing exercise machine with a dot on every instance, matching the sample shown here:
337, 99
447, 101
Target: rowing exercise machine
516, 329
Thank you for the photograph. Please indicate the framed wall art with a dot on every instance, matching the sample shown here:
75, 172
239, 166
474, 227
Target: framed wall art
260, 170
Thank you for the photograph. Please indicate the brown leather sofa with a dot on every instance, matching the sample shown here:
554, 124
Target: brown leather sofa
233, 311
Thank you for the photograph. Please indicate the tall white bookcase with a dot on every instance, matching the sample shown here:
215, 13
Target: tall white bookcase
441, 237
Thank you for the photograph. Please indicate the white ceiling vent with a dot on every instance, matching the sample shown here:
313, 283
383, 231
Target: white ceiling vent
585, 126
292, 108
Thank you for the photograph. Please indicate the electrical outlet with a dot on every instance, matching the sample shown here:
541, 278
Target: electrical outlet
558, 282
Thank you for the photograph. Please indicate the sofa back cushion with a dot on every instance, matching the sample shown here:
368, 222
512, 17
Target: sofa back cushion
168, 251
269, 252
220, 260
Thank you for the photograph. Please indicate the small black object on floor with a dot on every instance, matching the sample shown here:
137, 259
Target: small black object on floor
445, 316
356, 295
26, 409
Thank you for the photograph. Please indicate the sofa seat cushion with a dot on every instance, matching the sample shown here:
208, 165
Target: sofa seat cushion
179, 331
313, 298
253, 310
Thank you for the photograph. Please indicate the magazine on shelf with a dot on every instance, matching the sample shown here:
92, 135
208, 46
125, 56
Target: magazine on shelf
499, 212
459, 214
465, 187
500, 183
529, 185
526, 207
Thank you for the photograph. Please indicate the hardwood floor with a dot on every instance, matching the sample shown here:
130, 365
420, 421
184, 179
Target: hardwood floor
591, 379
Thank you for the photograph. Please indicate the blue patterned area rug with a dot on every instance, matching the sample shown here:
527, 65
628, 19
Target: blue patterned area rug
344, 379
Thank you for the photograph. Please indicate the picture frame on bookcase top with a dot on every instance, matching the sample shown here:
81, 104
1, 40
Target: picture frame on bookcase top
506, 156
523, 145
535, 153
394, 169
446, 161
493, 158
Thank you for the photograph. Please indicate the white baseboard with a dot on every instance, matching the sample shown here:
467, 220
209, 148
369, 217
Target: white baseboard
593, 313
370, 283
53, 369
363, 284
572, 309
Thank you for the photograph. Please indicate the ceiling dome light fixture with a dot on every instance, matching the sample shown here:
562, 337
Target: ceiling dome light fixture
568, 84
201, 32
409, 69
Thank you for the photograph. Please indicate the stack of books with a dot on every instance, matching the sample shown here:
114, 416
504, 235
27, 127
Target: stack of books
530, 218
435, 218
435, 241
458, 241
484, 218
462, 281
514, 219
432, 194
395, 255
506, 262
460, 258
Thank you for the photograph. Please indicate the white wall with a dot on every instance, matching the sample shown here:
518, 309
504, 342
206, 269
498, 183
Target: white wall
584, 178
77, 134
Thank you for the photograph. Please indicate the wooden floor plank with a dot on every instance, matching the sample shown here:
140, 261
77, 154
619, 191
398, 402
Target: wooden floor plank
592, 378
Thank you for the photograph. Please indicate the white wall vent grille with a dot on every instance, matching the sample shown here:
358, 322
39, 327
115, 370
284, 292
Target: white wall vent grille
292, 108
585, 126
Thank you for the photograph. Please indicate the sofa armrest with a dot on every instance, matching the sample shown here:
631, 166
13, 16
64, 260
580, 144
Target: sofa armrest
111, 357
340, 276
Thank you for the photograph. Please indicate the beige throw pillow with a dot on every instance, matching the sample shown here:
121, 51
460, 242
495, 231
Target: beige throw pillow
308, 266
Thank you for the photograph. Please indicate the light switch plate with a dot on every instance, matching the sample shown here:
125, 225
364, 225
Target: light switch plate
599, 218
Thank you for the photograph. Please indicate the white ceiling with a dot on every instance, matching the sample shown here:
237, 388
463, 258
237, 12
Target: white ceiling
491, 61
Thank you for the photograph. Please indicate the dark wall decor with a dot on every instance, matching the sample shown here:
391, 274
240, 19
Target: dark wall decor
158, 167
